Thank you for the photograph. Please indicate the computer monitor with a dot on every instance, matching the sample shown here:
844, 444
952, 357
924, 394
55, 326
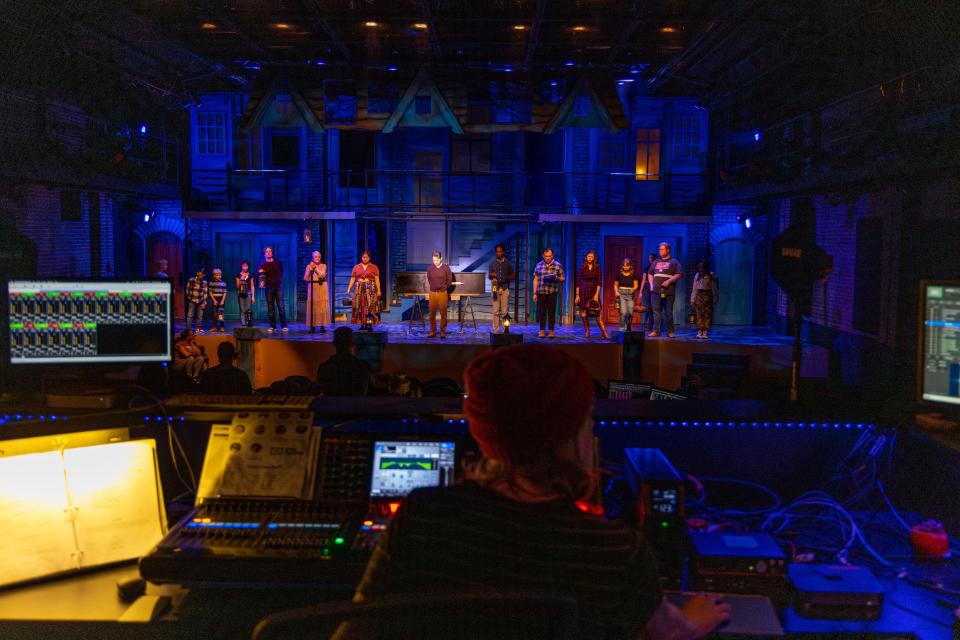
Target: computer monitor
401, 466
938, 355
89, 321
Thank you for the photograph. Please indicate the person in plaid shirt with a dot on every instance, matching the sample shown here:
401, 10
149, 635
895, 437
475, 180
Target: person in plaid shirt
218, 296
547, 277
197, 292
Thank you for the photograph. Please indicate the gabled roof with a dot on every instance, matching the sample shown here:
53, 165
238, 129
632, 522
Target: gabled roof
404, 115
260, 102
606, 111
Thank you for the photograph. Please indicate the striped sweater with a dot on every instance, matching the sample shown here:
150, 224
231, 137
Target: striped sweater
469, 537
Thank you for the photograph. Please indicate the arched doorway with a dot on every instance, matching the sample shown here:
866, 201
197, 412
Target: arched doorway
165, 245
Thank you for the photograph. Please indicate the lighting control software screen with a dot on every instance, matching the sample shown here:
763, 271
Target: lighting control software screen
400, 467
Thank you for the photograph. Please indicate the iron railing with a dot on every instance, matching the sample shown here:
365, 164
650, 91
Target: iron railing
448, 192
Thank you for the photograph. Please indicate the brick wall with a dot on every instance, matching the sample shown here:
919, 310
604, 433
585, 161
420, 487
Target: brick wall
581, 187
315, 158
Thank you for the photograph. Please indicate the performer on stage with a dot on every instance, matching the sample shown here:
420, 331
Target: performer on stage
271, 278
645, 301
501, 273
318, 299
246, 294
439, 279
197, 291
588, 294
705, 294
366, 299
663, 273
625, 287
218, 297
547, 277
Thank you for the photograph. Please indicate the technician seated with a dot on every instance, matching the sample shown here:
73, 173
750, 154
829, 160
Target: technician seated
516, 522
225, 378
344, 374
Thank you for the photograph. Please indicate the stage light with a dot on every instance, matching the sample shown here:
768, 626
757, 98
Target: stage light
579, 28
391, 68
756, 136
569, 63
143, 129
519, 27
747, 223
320, 63
208, 26
371, 24
283, 26
146, 217
668, 30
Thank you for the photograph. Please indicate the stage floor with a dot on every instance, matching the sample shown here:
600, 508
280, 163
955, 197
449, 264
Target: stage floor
664, 360
399, 333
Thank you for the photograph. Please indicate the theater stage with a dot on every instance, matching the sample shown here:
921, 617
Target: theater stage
664, 360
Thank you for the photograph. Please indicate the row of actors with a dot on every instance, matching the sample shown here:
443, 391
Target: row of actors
656, 286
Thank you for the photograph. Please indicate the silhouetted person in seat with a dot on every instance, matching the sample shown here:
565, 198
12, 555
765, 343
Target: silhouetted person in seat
226, 379
520, 520
344, 374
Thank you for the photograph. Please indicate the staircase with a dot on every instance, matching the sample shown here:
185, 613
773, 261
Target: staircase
473, 249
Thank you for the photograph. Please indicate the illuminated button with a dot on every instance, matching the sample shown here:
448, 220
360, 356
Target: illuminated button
761, 566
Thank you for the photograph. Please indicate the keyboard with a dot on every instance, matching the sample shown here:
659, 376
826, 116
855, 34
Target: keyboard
204, 401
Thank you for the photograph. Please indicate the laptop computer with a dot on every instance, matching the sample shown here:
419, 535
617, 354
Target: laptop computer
751, 617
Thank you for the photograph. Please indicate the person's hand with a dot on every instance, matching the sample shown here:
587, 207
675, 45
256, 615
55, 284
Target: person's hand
577, 300
534, 297
706, 611
596, 297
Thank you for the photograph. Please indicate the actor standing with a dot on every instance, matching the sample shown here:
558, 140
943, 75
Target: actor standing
318, 298
501, 273
366, 299
218, 296
664, 274
197, 292
705, 294
588, 294
271, 278
246, 296
439, 279
625, 286
547, 277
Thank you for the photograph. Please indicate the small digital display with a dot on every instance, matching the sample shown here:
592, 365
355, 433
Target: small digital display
665, 502
92, 322
400, 467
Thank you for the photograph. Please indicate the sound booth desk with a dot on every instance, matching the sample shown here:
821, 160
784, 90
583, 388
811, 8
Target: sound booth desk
224, 564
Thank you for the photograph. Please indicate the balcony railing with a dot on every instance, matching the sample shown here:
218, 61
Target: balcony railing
446, 192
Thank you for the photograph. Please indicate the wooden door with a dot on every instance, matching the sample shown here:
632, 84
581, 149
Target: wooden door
734, 269
232, 249
615, 250
169, 247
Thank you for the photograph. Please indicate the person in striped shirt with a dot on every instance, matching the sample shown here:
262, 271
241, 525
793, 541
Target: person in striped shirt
520, 519
218, 296
196, 301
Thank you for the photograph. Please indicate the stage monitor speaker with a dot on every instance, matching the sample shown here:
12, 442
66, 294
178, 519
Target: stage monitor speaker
505, 339
632, 356
370, 347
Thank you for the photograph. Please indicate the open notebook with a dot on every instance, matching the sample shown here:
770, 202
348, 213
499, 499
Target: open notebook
71, 509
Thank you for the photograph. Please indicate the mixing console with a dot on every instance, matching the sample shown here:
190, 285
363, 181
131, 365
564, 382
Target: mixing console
88, 321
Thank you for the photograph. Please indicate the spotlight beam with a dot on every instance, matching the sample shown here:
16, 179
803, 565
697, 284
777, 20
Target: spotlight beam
431, 30
317, 17
534, 35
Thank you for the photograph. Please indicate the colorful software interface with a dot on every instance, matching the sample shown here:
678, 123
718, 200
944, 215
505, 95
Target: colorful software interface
89, 322
941, 344
401, 467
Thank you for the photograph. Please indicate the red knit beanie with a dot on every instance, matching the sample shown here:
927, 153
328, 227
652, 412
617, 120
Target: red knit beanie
524, 399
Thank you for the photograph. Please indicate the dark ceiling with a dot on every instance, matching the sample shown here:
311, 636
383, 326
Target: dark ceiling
519, 35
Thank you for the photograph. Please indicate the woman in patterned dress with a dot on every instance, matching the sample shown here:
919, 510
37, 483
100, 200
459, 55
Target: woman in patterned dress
588, 294
366, 299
